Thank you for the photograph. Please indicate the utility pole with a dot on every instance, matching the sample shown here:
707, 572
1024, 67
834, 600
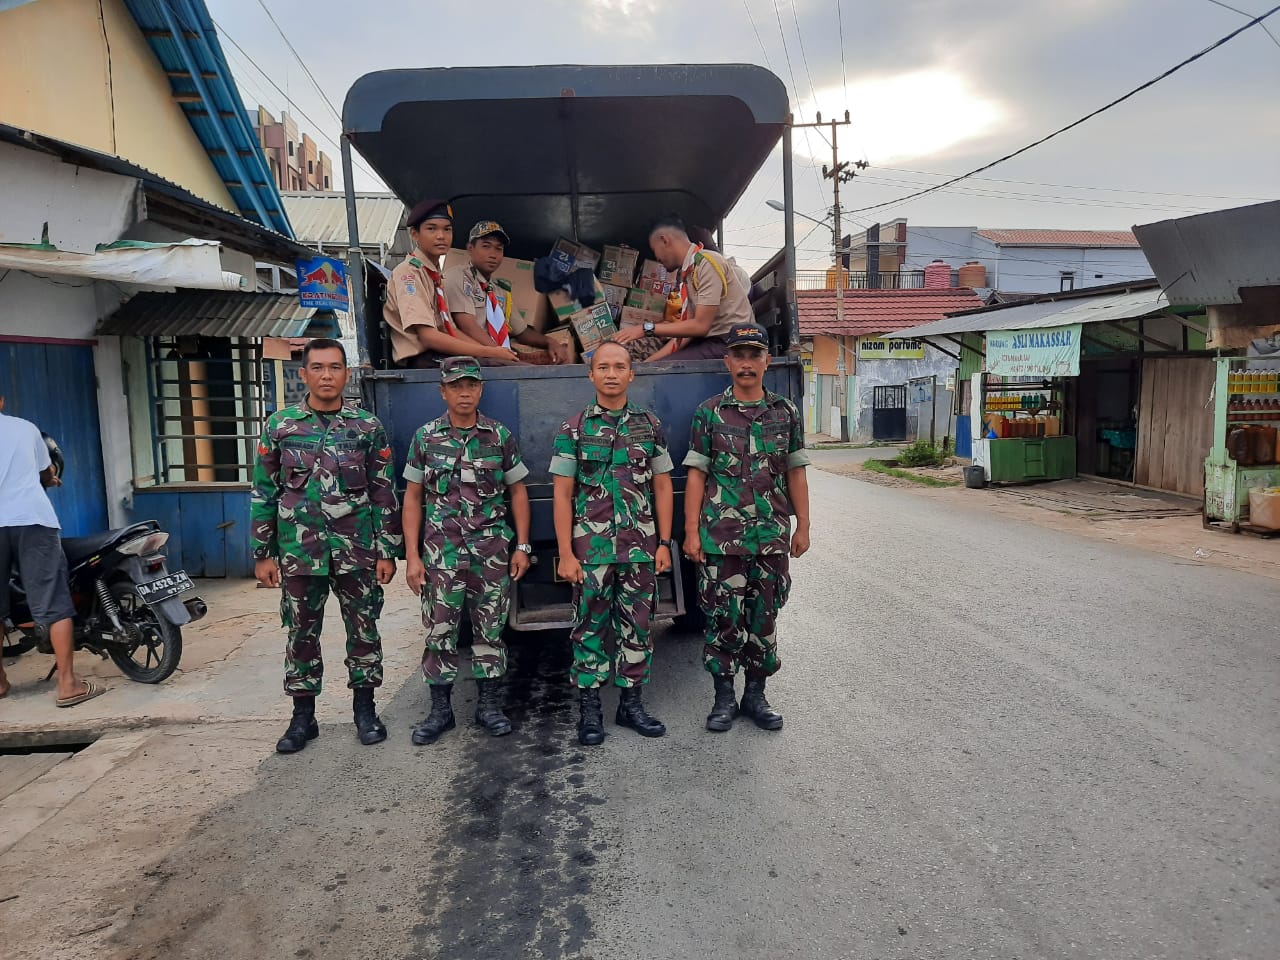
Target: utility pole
838, 173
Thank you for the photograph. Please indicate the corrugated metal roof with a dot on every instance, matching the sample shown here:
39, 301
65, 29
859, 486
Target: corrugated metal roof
868, 312
181, 35
1060, 238
1121, 305
322, 217
1208, 258
211, 314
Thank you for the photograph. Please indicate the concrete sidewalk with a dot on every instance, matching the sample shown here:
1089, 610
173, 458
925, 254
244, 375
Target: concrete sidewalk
232, 669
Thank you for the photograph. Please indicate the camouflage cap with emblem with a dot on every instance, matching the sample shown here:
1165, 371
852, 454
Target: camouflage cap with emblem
460, 368
488, 228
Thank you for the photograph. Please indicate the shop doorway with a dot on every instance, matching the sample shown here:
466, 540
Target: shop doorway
889, 413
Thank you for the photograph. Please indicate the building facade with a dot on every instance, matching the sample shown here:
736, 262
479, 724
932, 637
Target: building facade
296, 163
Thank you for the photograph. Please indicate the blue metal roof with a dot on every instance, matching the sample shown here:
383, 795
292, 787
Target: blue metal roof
182, 36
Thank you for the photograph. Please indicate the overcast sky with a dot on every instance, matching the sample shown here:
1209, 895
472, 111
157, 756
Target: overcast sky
934, 87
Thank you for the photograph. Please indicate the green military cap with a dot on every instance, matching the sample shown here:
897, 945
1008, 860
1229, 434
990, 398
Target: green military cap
459, 368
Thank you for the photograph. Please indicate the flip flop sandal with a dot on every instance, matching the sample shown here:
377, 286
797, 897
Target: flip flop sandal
91, 690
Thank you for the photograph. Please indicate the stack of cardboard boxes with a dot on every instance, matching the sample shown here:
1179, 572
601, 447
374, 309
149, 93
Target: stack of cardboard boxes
622, 299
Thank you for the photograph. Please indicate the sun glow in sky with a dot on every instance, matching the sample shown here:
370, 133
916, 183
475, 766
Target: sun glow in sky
902, 116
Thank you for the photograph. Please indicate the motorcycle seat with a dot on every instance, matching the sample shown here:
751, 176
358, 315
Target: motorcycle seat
79, 549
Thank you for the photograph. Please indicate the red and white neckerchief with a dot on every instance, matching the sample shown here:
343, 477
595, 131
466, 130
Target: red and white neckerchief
690, 259
442, 305
495, 318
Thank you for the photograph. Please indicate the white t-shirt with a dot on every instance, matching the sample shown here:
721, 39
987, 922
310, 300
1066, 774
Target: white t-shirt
23, 502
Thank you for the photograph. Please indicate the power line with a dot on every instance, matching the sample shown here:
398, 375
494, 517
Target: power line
978, 191
844, 73
1078, 186
786, 50
1089, 116
1246, 13
324, 96
292, 105
756, 30
813, 91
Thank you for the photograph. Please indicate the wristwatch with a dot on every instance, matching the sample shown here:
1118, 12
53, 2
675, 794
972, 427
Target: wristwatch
525, 547
647, 326
669, 544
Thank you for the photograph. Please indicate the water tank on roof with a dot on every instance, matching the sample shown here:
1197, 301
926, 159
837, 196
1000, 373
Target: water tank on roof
973, 275
937, 275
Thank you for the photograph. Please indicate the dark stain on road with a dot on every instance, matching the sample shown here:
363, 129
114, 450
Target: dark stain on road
472, 847
512, 873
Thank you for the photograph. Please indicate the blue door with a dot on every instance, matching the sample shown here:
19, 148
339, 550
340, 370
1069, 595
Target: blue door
53, 385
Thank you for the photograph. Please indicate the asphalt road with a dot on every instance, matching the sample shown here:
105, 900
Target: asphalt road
1001, 742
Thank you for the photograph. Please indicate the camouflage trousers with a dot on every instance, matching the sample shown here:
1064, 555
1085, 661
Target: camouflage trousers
741, 597
481, 584
302, 614
615, 599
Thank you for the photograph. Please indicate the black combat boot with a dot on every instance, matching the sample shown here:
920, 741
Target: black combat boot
489, 708
590, 717
368, 724
755, 706
631, 713
302, 727
725, 709
439, 719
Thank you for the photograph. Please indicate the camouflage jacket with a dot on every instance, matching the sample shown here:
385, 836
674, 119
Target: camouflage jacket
464, 476
612, 460
746, 449
323, 498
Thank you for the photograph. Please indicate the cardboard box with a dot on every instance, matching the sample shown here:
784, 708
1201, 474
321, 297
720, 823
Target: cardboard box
642, 299
570, 256
518, 274
563, 336
654, 278
593, 326
618, 265
562, 306
634, 316
615, 296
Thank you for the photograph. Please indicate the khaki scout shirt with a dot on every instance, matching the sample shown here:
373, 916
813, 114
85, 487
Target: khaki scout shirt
464, 288
411, 302
706, 286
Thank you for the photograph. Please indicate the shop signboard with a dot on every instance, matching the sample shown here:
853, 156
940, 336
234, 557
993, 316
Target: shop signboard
322, 283
1046, 352
890, 348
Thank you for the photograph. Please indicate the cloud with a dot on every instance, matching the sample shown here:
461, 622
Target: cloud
904, 116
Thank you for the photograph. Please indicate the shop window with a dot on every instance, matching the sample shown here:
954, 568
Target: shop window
1066, 281
208, 398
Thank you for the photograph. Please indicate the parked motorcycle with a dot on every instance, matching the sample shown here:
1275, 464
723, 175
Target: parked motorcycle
129, 607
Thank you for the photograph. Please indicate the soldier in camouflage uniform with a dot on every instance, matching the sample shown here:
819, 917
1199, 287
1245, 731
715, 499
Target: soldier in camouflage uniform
458, 543
613, 506
324, 516
746, 479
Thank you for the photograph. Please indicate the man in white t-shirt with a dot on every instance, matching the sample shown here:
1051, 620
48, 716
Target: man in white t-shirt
31, 541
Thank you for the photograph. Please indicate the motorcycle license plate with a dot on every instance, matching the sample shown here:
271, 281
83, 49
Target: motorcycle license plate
175, 583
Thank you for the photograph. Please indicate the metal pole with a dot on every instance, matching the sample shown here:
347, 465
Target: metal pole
789, 241
355, 258
843, 384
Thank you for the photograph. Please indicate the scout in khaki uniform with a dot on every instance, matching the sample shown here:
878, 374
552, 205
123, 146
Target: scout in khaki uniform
481, 307
324, 516
712, 293
416, 312
458, 543
612, 475
746, 479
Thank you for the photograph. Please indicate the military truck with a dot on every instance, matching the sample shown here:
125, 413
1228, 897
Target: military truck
589, 153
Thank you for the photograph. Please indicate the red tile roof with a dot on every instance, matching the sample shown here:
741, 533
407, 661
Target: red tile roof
871, 312
1060, 238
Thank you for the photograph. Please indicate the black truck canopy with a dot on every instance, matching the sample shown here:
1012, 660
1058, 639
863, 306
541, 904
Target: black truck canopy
593, 153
